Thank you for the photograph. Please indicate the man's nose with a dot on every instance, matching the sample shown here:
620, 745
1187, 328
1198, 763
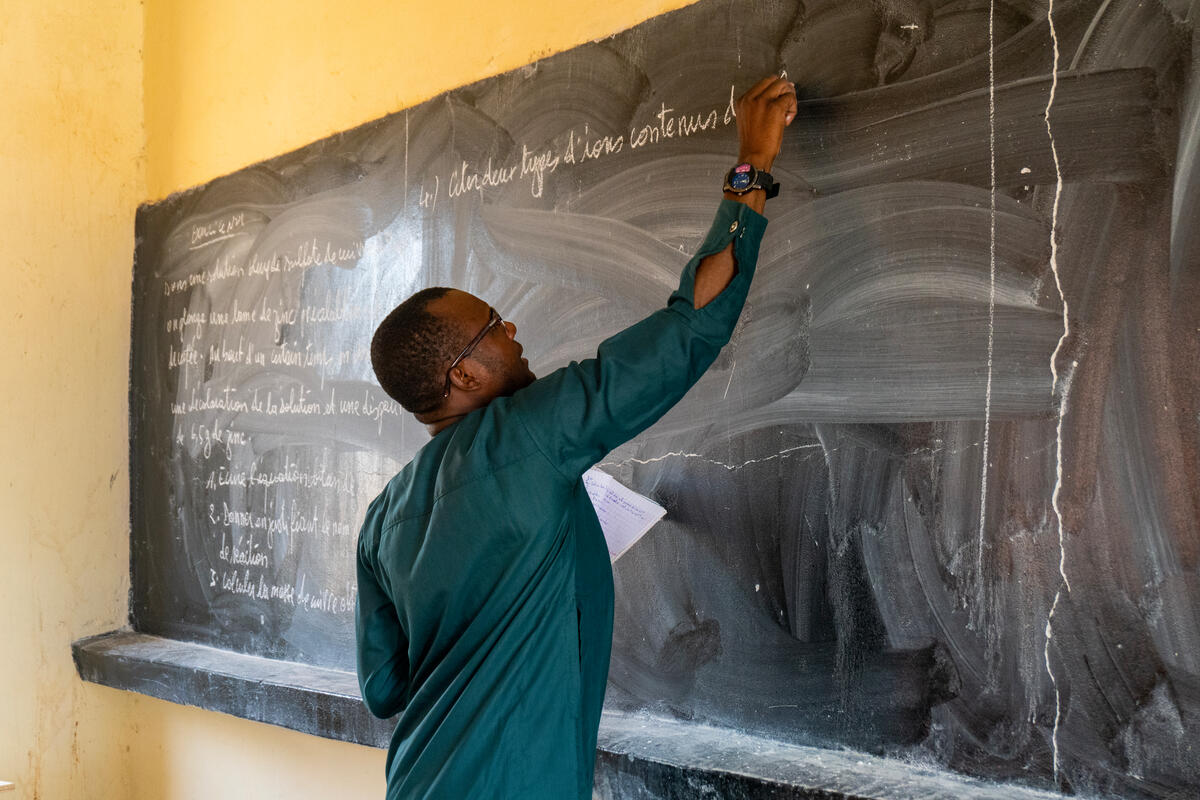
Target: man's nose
511, 327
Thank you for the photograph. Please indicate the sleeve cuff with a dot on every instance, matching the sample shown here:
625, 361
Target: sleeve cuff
734, 222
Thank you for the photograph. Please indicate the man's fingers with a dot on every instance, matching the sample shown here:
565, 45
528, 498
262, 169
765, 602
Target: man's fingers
769, 88
770, 101
785, 101
758, 88
780, 87
786, 98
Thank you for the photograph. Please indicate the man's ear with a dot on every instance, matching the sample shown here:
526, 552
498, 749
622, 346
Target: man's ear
465, 379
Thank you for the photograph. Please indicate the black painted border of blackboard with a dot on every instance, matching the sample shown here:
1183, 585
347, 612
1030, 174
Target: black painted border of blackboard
639, 757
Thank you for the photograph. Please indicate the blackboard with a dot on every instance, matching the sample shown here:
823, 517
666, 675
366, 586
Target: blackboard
939, 496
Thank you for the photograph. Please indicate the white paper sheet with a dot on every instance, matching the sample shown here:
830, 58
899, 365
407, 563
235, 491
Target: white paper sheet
624, 515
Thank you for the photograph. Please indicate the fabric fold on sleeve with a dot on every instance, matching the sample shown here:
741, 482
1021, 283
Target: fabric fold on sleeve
382, 647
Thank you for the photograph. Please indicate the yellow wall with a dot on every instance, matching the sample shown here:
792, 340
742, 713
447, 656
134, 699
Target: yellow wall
107, 103
70, 178
229, 83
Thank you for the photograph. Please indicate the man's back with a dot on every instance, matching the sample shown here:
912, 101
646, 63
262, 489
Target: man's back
480, 542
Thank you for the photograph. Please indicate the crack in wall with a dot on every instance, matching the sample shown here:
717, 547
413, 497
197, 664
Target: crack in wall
921, 451
731, 467
1061, 385
991, 341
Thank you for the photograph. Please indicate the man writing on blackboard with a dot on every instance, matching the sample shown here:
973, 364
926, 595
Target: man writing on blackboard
485, 593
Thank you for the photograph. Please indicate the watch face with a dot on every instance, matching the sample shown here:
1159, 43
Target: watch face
741, 177
740, 180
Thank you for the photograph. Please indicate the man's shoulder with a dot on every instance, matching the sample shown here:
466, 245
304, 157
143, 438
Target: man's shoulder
404, 488
397, 497
484, 441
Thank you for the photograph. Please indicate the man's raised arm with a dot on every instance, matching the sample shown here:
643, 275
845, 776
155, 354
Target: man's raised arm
581, 412
762, 114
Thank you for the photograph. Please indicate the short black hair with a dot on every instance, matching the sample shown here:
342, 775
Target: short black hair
411, 349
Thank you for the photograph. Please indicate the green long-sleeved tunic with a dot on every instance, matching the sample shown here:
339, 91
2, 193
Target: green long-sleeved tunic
485, 593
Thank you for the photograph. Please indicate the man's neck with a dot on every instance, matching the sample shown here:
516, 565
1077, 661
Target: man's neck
439, 419
435, 428
435, 423
452, 410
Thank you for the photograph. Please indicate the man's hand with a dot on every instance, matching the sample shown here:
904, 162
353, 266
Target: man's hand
762, 114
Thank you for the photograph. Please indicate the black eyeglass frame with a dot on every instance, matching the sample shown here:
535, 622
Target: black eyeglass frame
494, 319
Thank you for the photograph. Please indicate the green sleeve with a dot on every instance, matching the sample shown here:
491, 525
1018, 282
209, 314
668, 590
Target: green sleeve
582, 411
382, 646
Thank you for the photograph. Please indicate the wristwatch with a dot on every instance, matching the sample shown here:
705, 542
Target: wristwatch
745, 178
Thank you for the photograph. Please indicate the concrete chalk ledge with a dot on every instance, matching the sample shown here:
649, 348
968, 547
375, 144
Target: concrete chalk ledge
640, 757
647, 758
323, 702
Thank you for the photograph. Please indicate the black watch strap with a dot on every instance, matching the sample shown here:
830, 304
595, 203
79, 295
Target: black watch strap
745, 178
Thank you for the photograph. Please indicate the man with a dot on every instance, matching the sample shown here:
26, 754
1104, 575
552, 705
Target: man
485, 594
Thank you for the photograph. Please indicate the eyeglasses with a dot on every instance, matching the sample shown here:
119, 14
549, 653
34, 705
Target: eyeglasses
493, 320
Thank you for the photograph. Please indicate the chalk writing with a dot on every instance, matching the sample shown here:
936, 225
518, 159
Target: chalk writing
187, 356
216, 231
288, 520
332, 309
308, 254
537, 165
222, 269
297, 400
204, 437
670, 127
245, 553
428, 199
234, 316
575, 147
255, 585
187, 318
591, 148
466, 179
290, 473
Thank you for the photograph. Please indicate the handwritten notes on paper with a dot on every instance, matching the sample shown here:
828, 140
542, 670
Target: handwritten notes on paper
624, 515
